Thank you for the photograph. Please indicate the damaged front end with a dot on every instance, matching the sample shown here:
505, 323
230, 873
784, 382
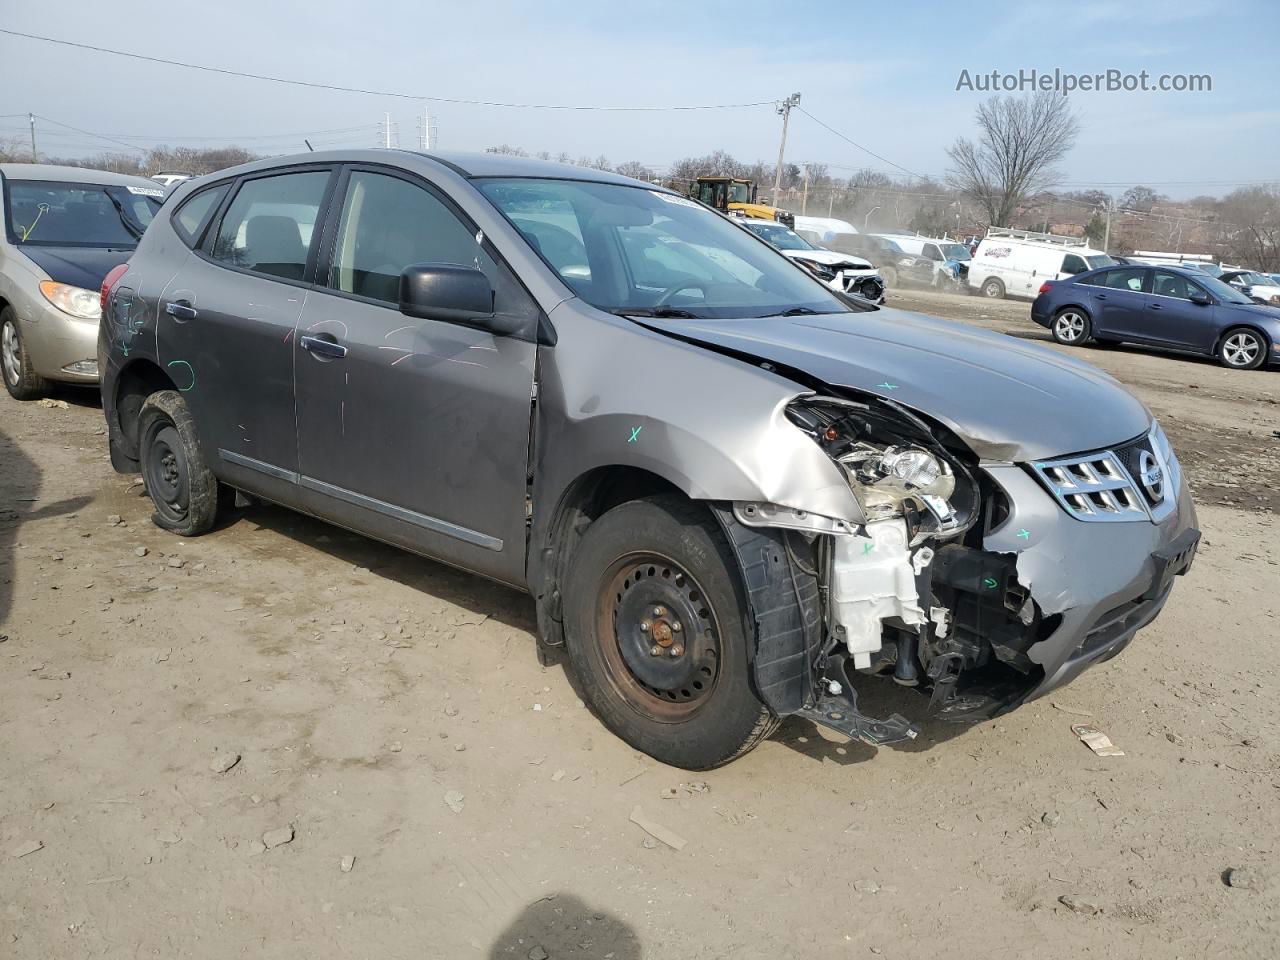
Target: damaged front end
909, 593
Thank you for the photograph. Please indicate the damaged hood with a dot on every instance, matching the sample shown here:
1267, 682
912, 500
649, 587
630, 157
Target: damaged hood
1007, 399
829, 258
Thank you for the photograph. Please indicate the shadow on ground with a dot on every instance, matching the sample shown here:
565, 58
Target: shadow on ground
561, 926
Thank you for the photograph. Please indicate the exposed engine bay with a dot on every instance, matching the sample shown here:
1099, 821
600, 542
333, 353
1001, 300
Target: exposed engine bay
909, 594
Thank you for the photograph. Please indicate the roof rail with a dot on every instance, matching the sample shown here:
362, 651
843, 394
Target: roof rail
1012, 234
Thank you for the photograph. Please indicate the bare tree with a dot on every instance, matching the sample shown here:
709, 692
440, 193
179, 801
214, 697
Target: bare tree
635, 170
1020, 140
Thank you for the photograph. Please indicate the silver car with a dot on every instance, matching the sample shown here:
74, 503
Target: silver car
64, 229
733, 493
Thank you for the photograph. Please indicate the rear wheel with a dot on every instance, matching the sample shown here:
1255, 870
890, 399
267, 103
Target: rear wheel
1071, 327
20, 380
177, 477
993, 289
657, 635
1242, 349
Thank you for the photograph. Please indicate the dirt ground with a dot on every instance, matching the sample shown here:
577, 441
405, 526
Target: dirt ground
392, 710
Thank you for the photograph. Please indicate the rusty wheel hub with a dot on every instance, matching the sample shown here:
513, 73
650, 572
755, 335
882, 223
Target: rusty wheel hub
659, 636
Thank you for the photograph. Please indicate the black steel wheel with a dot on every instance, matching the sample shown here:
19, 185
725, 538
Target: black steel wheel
182, 488
656, 634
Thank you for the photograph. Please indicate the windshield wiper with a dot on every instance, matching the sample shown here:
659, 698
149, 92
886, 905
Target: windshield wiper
124, 216
670, 313
795, 312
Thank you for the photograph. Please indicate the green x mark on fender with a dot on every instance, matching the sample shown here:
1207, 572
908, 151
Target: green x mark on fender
1024, 534
867, 548
635, 434
887, 385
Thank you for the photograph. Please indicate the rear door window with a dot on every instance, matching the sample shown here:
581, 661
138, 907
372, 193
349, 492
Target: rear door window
1128, 278
271, 224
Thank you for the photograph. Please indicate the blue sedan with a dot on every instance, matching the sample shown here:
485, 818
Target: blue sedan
1172, 307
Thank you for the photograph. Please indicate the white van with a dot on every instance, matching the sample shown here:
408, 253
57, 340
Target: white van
1014, 263
821, 229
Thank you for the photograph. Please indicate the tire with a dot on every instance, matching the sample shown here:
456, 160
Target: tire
658, 574
1071, 327
1242, 349
174, 469
890, 277
22, 382
993, 289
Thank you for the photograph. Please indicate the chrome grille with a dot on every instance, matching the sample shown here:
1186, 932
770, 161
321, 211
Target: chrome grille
1111, 484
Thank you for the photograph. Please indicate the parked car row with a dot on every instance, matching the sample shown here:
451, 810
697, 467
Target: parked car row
729, 487
64, 229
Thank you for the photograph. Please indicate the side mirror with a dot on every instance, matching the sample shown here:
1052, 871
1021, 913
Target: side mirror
444, 291
1200, 298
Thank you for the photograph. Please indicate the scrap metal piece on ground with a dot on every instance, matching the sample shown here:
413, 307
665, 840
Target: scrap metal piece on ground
657, 830
1096, 740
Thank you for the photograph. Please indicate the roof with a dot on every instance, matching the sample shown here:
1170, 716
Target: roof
49, 171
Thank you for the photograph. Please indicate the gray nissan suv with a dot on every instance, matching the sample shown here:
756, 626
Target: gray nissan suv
730, 490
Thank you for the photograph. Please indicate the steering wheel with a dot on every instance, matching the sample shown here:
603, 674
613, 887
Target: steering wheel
666, 296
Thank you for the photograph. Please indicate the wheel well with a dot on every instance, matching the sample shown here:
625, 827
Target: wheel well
136, 382
1074, 306
1217, 344
585, 499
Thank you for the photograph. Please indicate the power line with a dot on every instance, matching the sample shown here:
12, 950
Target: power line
377, 93
96, 136
865, 150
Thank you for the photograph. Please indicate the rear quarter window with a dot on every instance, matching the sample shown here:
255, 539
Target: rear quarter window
190, 219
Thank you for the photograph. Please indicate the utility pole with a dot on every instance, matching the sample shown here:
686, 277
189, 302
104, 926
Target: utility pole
804, 199
34, 156
424, 130
1106, 236
783, 108
387, 131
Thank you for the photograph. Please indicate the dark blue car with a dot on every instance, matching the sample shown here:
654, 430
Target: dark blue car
1173, 307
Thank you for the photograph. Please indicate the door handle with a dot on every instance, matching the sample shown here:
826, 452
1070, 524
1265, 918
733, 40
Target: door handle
181, 310
1099, 296
1154, 306
323, 345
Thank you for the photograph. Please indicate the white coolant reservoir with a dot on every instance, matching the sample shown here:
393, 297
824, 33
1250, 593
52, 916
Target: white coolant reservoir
872, 578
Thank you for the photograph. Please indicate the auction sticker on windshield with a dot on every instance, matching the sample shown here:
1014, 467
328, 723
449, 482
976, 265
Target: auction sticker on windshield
672, 198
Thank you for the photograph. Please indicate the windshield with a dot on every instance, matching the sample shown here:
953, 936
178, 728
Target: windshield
79, 214
1255, 279
739, 193
955, 251
1099, 260
1224, 292
783, 238
629, 250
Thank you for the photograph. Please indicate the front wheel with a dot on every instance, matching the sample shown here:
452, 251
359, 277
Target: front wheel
657, 635
1242, 349
177, 477
1071, 327
22, 382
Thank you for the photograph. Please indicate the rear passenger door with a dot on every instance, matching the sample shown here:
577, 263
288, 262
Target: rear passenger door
1118, 303
226, 325
413, 430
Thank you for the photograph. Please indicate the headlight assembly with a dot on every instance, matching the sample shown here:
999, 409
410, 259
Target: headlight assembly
895, 467
817, 269
81, 303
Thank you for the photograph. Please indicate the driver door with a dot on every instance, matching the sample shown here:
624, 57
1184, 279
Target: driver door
416, 431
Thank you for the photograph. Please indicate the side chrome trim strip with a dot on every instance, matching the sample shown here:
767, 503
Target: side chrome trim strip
270, 469
433, 524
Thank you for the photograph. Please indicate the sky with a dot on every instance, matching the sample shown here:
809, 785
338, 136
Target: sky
884, 75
